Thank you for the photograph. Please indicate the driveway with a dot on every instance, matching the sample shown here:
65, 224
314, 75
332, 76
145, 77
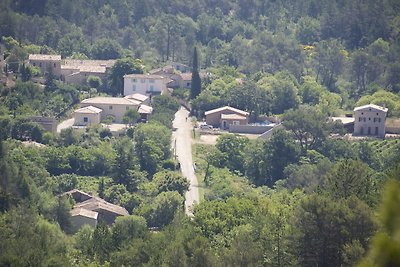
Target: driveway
65, 124
182, 145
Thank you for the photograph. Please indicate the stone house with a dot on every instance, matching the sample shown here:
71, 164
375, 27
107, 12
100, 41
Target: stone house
89, 210
46, 63
77, 71
370, 120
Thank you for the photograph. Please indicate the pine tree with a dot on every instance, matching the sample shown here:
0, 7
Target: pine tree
196, 81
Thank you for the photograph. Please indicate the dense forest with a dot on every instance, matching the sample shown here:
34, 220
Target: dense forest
300, 198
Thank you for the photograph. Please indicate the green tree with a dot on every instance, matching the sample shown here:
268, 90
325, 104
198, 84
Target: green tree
329, 62
171, 181
310, 91
308, 30
161, 211
352, 178
323, 227
131, 116
150, 157
94, 82
308, 125
232, 148
125, 160
26, 72
244, 250
195, 88
385, 245
283, 90
102, 242
106, 49
159, 134
280, 151
126, 229
121, 67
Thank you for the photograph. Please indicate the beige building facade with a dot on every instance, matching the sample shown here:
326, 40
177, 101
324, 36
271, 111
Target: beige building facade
370, 120
77, 71
225, 116
114, 106
87, 116
46, 63
81, 217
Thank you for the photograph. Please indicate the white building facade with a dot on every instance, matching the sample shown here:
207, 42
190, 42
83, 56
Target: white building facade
370, 120
145, 84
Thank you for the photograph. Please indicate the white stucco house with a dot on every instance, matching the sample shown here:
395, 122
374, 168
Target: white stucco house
370, 120
145, 84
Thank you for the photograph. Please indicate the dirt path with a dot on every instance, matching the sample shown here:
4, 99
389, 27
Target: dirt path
182, 145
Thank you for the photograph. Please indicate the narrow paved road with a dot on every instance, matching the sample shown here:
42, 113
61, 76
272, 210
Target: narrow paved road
182, 143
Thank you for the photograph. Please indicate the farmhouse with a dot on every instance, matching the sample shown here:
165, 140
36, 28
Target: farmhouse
370, 120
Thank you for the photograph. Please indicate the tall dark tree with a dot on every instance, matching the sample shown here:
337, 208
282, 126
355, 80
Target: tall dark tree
195, 88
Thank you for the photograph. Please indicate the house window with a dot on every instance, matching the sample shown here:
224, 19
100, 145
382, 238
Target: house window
369, 119
374, 119
127, 108
142, 80
133, 80
376, 131
40, 64
34, 64
379, 119
187, 84
365, 119
134, 87
54, 65
359, 119
151, 81
110, 107
85, 119
236, 122
151, 88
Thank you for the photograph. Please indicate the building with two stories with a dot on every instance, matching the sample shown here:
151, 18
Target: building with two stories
145, 84
370, 120
46, 63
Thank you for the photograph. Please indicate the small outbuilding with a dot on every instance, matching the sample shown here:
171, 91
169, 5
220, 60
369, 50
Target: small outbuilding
81, 217
87, 116
225, 116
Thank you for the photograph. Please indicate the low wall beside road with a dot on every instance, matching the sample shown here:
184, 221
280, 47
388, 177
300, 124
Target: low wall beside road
249, 129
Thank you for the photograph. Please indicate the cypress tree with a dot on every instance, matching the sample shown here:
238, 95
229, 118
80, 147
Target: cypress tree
196, 81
